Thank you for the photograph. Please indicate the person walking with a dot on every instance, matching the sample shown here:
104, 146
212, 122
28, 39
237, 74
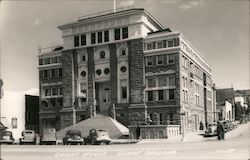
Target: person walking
138, 132
201, 126
220, 131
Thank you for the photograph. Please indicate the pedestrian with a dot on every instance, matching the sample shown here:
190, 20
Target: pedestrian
220, 131
138, 132
201, 126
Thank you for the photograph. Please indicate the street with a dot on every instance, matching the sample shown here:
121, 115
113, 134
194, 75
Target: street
210, 148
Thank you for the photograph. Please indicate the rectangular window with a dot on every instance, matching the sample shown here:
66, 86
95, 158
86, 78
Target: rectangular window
54, 91
197, 100
161, 118
47, 61
40, 61
153, 45
149, 46
60, 102
159, 45
93, 41
59, 59
53, 102
170, 43
60, 72
149, 61
117, 34
99, 37
60, 90
55, 60
150, 96
46, 92
171, 81
161, 81
160, 95
171, 59
76, 41
106, 36
164, 44
171, 94
124, 92
83, 40
54, 73
45, 74
151, 82
124, 32
160, 60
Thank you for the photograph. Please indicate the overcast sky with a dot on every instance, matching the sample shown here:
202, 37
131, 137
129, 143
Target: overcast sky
219, 29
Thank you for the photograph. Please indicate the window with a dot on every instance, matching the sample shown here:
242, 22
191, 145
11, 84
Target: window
149, 61
164, 44
170, 59
149, 46
106, 71
83, 39
160, 95
76, 41
47, 61
54, 91
171, 81
46, 92
106, 36
14, 123
124, 32
84, 95
40, 61
60, 90
124, 92
99, 37
159, 45
123, 69
171, 94
54, 73
117, 34
170, 43
153, 45
150, 96
160, 60
54, 60
123, 52
60, 102
53, 102
59, 59
45, 74
197, 100
93, 38
60, 72
197, 88
161, 118
83, 73
83, 57
98, 72
102, 55
151, 82
161, 81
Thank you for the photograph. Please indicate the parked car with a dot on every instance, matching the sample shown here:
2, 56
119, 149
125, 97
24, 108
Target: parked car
7, 138
73, 137
97, 137
211, 129
48, 136
28, 137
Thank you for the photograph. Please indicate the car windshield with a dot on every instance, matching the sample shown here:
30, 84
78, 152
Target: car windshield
29, 132
77, 133
49, 131
102, 133
7, 133
212, 124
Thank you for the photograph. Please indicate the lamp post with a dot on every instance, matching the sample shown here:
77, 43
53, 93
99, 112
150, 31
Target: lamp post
183, 125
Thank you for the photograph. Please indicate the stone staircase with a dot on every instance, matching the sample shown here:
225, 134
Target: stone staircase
114, 128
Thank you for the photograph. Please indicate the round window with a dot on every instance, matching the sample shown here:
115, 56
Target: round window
123, 69
83, 73
98, 72
106, 70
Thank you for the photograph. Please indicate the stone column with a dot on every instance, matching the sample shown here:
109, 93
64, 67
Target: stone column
137, 106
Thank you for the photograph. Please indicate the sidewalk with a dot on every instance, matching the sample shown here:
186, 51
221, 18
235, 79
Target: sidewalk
198, 136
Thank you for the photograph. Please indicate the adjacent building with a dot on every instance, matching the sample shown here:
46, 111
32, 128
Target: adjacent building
127, 63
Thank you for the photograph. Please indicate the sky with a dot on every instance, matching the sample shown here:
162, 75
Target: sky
219, 29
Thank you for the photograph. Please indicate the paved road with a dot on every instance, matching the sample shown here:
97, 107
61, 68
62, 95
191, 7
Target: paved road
235, 148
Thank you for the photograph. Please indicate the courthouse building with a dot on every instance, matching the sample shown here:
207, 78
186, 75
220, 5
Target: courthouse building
125, 63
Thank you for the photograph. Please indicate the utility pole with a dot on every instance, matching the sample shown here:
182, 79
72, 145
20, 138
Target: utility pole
114, 3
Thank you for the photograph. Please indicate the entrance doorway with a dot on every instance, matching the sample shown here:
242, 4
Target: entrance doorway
103, 97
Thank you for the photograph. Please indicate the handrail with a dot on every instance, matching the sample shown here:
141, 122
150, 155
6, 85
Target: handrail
105, 12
